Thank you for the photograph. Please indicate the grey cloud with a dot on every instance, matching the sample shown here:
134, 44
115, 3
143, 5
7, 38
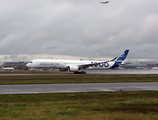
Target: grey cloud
79, 28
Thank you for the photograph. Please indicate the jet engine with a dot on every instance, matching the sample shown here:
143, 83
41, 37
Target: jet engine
73, 68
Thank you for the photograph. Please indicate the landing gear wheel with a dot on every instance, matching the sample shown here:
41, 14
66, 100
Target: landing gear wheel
83, 72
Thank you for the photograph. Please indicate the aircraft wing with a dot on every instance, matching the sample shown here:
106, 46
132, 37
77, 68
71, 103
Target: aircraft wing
114, 59
92, 64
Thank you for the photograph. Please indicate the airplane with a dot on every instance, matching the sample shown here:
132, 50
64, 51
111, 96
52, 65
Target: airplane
104, 2
77, 66
7, 68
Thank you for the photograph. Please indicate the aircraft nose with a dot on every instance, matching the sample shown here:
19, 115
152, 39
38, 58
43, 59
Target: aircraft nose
28, 65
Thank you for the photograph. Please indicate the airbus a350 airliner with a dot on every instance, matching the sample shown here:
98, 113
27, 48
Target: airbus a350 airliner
78, 66
104, 2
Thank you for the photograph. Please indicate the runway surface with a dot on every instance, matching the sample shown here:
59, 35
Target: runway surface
94, 72
84, 87
129, 71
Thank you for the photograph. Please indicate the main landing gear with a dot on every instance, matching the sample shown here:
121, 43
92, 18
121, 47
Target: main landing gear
82, 72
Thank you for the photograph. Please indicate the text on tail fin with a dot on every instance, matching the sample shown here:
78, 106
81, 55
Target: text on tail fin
123, 56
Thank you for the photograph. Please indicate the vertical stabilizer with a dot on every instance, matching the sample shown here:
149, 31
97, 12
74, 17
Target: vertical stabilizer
120, 59
123, 56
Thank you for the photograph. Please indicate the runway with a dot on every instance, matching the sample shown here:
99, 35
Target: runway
94, 72
129, 71
83, 87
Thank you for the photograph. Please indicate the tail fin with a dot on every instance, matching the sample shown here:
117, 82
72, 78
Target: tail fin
123, 56
120, 59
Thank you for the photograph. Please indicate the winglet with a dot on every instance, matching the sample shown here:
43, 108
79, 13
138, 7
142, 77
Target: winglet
114, 59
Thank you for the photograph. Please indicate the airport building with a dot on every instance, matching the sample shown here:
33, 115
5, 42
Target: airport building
150, 66
17, 65
140, 65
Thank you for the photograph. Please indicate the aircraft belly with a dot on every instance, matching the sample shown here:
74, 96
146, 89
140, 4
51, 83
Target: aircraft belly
98, 68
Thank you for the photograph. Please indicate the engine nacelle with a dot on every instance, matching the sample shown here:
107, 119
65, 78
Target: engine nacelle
73, 68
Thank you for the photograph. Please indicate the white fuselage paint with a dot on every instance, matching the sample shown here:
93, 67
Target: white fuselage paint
59, 64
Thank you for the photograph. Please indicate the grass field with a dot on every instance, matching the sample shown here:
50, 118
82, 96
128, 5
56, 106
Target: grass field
80, 106
142, 105
47, 79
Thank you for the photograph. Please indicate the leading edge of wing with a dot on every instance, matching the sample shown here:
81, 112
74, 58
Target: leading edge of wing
92, 64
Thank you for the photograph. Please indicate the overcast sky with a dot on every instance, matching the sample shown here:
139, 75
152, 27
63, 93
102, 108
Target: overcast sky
75, 28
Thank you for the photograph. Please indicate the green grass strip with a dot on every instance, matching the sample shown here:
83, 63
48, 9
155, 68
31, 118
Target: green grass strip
50, 79
86, 106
